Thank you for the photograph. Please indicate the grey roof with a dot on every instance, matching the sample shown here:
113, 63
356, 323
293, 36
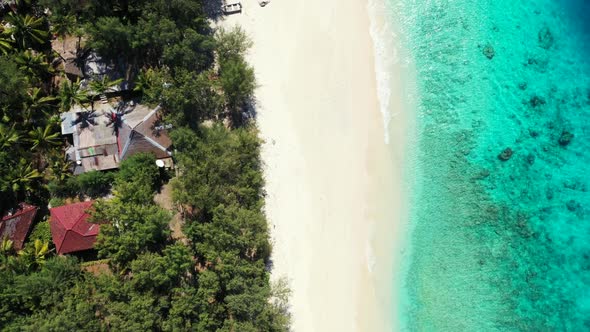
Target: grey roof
67, 126
97, 147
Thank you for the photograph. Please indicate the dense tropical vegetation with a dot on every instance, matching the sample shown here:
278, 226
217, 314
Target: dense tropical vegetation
212, 278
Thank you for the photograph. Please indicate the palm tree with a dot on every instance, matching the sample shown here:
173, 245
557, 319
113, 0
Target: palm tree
35, 102
8, 137
23, 177
60, 168
144, 81
104, 84
151, 82
35, 256
43, 138
70, 94
5, 246
27, 31
116, 117
35, 65
5, 43
62, 25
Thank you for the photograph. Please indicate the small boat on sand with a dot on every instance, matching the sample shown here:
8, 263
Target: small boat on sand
232, 8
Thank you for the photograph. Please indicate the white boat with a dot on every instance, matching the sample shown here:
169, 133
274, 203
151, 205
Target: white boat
232, 8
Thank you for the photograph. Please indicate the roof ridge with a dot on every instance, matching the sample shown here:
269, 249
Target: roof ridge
24, 210
62, 240
78, 221
82, 216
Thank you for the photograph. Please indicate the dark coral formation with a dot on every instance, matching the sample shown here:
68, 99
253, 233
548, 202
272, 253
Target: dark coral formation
506, 154
565, 138
572, 205
537, 101
489, 51
530, 159
546, 39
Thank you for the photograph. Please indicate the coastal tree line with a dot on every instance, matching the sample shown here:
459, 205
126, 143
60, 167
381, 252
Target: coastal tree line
216, 277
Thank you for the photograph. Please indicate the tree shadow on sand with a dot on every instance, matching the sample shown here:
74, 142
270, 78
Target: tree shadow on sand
212, 9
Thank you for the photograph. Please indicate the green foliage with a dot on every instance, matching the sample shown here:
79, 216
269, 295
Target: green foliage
43, 138
62, 25
104, 84
91, 184
155, 272
221, 182
6, 246
238, 83
34, 65
215, 279
28, 31
37, 106
13, 85
150, 82
45, 287
74, 312
219, 166
20, 180
6, 44
34, 253
9, 136
70, 94
133, 230
234, 229
152, 35
194, 51
191, 99
231, 44
64, 188
140, 313
94, 183
41, 232
52, 298
138, 179
110, 37
56, 201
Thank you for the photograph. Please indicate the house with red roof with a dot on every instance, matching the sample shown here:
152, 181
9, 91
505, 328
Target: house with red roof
70, 229
16, 223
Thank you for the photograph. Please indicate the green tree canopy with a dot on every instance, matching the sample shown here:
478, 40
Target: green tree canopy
238, 83
131, 230
28, 31
231, 44
219, 167
191, 99
13, 85
111, 37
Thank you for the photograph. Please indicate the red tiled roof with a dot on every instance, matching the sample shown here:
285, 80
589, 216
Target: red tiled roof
70, 230
15, 225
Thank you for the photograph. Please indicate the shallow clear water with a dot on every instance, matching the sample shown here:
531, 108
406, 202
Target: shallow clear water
499, 245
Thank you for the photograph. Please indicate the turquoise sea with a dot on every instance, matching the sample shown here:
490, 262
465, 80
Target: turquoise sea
500, 209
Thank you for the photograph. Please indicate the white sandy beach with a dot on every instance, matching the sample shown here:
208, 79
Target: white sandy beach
333, 185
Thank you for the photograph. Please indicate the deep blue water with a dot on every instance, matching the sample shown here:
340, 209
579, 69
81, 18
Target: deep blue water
501, 203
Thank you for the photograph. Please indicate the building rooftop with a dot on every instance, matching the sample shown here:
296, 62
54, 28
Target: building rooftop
70, 229
16, 223
105, 136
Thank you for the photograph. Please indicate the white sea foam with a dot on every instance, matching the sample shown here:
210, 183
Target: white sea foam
385, 57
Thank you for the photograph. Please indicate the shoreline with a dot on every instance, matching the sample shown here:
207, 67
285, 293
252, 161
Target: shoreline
334, 187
